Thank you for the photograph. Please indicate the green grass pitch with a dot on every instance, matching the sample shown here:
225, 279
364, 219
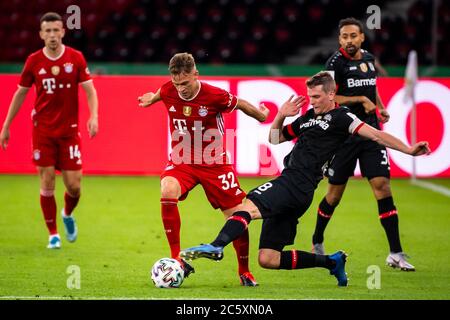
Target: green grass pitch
121, 236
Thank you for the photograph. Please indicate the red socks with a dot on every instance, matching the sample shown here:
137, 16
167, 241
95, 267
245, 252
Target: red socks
70, 203
241, 245
48, 206
172, 224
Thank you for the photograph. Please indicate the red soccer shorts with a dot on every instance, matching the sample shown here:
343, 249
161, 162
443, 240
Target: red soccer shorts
63, 153
221, 186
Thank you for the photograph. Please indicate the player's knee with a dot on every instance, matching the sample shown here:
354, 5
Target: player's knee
333, 199
381, 188
169, 191
73, 189
267, 261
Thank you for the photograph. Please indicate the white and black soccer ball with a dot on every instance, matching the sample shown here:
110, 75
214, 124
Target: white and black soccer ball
167, 273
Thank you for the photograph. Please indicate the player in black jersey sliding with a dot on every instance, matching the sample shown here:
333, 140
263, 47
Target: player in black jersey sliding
321, 131
355, 75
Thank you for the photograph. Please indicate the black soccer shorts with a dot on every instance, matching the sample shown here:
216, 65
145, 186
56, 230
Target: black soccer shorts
281, 205
373, 161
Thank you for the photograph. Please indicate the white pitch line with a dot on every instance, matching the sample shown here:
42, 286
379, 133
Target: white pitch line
433, 187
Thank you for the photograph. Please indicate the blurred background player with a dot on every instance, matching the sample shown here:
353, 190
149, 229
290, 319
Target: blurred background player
354, 71
321, 131
56, 70
195, 109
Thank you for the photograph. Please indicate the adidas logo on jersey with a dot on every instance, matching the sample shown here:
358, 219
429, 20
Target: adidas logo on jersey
42, 71
238, 191
172, 109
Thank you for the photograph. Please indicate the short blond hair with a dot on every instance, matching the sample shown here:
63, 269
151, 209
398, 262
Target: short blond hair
181, 63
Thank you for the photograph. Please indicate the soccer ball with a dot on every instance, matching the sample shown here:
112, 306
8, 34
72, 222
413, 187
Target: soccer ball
167, 273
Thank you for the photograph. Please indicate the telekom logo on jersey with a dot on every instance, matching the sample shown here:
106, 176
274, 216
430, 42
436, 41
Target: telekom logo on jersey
49, 84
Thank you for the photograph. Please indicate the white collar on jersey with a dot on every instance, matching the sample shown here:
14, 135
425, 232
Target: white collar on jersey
195, 95
51, 58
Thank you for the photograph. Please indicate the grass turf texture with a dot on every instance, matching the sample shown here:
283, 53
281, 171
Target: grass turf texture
121, 236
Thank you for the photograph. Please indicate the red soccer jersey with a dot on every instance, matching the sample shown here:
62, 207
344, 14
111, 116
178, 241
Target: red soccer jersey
197, 125
55, 110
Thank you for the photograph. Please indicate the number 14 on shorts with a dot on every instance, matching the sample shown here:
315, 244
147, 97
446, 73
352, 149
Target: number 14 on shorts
74, 152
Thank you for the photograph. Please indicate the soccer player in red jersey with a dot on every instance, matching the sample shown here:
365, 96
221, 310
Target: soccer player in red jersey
198, 154
56, 70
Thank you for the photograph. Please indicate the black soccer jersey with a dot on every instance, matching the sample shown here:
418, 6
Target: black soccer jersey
319, 137
355, 78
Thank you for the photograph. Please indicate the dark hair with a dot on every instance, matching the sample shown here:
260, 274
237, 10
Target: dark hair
323, 78
181, 63
351, 21
50, 17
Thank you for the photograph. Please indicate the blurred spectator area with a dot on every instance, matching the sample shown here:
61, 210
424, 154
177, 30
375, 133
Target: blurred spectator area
219, 31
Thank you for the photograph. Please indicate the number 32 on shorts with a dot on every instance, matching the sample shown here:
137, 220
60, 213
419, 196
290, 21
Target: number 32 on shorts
228, 180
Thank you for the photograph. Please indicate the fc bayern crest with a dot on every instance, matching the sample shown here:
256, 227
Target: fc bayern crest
202, 111
68, 67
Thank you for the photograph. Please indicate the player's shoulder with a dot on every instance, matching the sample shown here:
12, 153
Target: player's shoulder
335, 59
167, 89
210, 89
367, 56
74, 52
36, 55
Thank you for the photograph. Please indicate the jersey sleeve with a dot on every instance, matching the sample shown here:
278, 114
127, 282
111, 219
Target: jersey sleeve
334, 67
83, 70
292, 130
351, 122
226, 101
27, 77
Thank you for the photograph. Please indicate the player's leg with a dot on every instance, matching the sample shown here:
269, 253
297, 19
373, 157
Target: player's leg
338, 172
48, 204
388, 215
170, 192
241, 246
375, 166
44, 157
234, 227
69, 162
324, 214
279, 229
72, 182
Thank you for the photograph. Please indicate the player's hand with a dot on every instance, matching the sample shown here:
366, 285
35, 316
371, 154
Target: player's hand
146, 99
92, 126
292, 106
4, 138
420, 148
369, 106
384, 116
265, 111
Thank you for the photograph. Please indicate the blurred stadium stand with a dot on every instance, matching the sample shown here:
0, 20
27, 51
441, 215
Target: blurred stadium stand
228, 31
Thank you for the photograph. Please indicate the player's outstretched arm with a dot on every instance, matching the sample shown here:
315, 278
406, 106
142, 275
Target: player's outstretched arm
91, 94
16, 103
290, 108
392, 142
258, 114
149, 98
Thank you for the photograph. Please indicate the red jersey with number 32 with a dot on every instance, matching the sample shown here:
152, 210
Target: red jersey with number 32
197, 124
56, 81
